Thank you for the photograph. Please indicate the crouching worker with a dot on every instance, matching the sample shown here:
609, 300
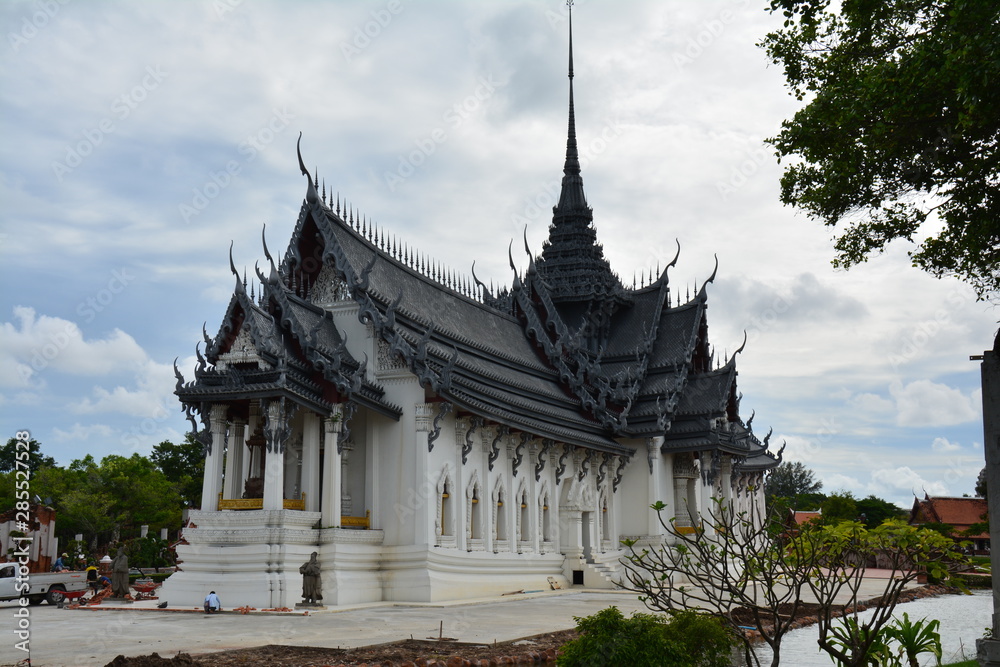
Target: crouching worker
212, 603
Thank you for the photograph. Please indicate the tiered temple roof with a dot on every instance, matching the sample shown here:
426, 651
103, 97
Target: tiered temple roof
567, 353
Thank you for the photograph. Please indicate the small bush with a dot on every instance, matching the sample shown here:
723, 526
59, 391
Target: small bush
608, 639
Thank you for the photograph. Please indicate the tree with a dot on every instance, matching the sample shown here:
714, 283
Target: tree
795, 483
183, 465
735, 569
849, 549
734, 564
8, 456
900, 137
876, 511
981, 484
840, 506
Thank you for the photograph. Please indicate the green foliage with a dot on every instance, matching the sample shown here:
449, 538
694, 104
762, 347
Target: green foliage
108, 499
864, 645
609, 639
895, 645
183, 465
876, 511
840, 507
909, 86
849, 548
795, 484
149, 551
914, 638
981, 484
8, 456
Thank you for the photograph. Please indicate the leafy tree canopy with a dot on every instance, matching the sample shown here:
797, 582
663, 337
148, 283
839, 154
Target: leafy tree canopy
839, 507
900, 134
792, 479
876, 511
8, 456
183, 465
981, 484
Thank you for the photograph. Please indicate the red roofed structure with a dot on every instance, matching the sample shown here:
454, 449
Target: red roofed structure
959, 513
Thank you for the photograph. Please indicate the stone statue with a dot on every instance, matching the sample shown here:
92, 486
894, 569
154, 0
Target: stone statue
312, 584
119, 574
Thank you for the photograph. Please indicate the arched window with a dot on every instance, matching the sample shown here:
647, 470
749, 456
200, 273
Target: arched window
500, 524
474, 529
524, 518
447, 512
545, 518
605, 520
444, 520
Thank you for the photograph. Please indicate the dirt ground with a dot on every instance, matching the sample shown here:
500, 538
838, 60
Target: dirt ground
540, 649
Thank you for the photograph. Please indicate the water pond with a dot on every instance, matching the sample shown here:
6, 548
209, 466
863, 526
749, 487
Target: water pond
963, 620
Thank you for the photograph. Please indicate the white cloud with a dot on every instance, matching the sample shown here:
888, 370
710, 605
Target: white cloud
837, 482
927, 403
872, 404
886, 481
35, 344
82, 432
944, 445
149, 397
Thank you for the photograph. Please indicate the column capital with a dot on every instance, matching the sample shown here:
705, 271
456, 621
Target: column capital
424, 413
334, 423
218, 412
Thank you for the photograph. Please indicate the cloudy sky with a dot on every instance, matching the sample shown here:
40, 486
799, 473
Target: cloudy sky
140, 139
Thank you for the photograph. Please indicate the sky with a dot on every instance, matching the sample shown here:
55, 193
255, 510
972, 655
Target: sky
141, 139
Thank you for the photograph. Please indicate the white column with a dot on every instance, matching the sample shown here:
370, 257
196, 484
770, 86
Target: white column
653, 484
464, 505
274, 458
727, 481
234, 461
683, 475
310, 460
251, 429
330, 505
212, 482
528, 469
423, 515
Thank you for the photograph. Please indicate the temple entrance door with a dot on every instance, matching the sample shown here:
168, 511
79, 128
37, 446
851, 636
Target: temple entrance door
586, 538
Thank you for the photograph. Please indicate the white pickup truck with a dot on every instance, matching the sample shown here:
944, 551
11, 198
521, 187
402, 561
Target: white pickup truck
42, 585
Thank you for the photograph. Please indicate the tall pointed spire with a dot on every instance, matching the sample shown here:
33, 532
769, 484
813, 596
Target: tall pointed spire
572, 196
572, 262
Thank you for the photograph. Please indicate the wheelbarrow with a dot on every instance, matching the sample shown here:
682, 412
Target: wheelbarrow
144, 589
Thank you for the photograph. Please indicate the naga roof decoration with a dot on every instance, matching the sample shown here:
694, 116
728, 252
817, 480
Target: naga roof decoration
566, 354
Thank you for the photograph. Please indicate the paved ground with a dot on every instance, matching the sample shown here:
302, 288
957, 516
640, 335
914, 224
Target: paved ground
94, 636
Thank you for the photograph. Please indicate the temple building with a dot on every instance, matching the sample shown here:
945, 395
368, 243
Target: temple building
435, 439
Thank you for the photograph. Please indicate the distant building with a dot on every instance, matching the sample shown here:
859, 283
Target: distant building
958, 513
434, 439
41, 529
